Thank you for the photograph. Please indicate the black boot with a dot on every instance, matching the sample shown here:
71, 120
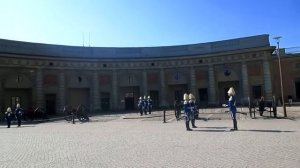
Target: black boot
187, 126
235, 124
193, 124
233, 129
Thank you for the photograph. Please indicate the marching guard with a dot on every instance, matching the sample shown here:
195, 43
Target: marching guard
19, 113
177, 109
193, 107
8, 115
140, 105
145, 105
187, 111
261, 106
149, 104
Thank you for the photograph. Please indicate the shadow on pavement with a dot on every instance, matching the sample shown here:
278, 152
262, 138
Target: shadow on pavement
275, 131
220, 130
227, 129
14, 126
216, 127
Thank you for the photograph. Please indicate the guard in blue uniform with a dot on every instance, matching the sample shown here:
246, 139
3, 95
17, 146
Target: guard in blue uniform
192, 102
261, 106
177, 109
187, 111
145, 105
140, 105
149, 104
232, 107
8, 115
19, 113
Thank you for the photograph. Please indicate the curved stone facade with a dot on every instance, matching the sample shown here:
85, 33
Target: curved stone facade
103, 79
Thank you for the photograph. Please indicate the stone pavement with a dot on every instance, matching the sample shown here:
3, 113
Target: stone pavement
112, 141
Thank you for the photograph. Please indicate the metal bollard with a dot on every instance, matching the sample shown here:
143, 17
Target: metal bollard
164, 116
73, 118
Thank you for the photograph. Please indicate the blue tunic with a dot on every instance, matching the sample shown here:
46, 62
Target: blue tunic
187, 110
145, 105
18, 112
140, 105
232, 108
149, 103
193, 109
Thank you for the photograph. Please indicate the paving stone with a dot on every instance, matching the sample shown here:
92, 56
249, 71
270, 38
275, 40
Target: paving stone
148, 142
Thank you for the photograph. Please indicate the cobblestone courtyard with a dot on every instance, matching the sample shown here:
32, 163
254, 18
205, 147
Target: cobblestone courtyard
112, 141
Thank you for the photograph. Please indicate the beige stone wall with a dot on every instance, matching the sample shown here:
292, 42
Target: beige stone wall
90, 79
290, 73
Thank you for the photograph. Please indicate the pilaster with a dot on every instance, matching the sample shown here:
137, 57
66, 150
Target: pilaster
211, 85
267, 79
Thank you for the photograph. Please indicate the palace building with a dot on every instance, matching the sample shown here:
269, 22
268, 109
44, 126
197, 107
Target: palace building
110, 78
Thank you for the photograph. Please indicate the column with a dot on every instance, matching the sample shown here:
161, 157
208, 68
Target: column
39, 94
245, 80
267, 79
211, 85
95, 92
145, 86
61, 91
193, 81
162, 88
2, 108
115, 90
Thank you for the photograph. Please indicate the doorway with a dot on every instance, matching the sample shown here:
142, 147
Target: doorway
297, 87
129, 101
14, 96
223, 89
50, 104
105, 105
77, 97
177, 92
154, 96
226, 97
256, 92
203, 96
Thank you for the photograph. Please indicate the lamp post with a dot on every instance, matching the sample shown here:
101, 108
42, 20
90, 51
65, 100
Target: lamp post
280, 74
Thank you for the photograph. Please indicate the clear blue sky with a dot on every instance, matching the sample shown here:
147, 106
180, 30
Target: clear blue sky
136, 23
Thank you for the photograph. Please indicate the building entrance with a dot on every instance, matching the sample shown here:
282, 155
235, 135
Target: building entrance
50, 104
78, 97
154, 96
223, 89
297, 87
130, 94
129, 101
203, 96
14, 96
105, 105
178, 91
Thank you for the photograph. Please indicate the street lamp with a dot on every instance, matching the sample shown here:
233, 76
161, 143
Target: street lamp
280, 74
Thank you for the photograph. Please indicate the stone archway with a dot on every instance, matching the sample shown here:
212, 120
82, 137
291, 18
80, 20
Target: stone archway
17, 88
